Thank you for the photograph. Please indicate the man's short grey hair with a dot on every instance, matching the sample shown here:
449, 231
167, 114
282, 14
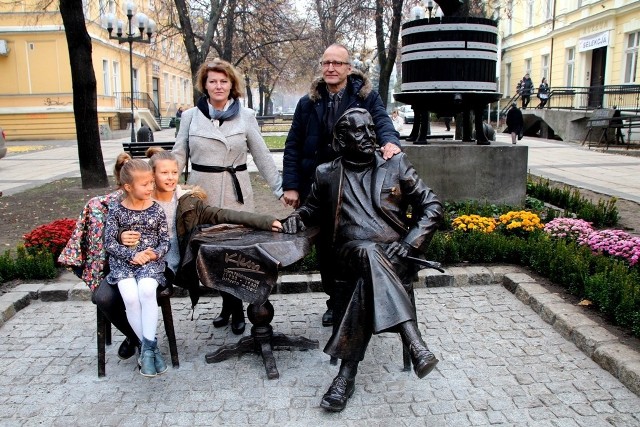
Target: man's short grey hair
343, 47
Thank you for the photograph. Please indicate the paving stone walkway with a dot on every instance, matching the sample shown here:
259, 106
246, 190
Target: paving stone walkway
507, 358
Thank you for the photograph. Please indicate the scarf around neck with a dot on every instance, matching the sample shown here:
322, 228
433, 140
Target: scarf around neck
230, 112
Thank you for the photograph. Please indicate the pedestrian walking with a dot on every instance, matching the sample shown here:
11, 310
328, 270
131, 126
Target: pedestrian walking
515, 123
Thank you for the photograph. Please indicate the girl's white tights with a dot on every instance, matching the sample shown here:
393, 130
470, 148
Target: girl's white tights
141, 305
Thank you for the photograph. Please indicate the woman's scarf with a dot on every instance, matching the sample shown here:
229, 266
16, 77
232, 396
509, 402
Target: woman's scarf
230, 111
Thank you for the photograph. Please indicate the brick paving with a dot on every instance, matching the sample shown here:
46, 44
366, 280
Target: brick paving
507, 358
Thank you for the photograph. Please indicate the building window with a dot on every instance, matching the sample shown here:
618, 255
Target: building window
174, 89
530, 13
571, 62
527, 66
165, 81
105, 77
631, 57
507, 80
511, 16
115, 77
136, 88
187, 92
545, 66
549, 11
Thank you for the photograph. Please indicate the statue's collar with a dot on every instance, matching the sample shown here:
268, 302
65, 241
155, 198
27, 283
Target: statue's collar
350, 164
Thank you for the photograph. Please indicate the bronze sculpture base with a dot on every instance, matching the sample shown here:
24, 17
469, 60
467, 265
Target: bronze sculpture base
262, 341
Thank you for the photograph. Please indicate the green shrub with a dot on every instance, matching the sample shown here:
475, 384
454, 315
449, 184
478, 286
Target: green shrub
602, 214
616, 292
25, 265
612, 285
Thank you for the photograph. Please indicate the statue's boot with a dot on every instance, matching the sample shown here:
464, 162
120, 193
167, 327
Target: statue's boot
342, 387
422, 358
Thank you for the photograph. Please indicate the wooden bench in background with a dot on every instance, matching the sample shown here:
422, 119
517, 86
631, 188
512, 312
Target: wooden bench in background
139, 149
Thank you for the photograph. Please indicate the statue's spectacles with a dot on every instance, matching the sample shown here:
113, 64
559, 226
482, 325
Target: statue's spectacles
336, 64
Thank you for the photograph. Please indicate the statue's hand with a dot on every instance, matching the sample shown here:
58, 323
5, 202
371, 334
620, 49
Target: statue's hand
293, 224
400, 249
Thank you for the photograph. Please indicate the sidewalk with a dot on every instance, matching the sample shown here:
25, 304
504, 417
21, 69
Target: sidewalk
512, 353
520, 358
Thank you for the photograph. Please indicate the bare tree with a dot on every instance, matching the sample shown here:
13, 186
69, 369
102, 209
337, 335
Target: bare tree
85, 102
343, 21
235, 30
387, 46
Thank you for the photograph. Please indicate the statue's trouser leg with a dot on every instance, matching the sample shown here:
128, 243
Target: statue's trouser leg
374, 302
348, 369
327, 266
409, 332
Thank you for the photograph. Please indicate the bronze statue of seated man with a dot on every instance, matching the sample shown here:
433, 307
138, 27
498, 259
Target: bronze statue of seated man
362, 200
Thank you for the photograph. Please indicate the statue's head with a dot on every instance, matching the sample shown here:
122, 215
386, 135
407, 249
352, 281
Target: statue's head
354, 135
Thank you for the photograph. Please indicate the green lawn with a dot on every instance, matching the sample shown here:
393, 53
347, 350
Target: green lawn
275, 142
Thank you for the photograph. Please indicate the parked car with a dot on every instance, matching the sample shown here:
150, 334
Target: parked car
406, 112
3, 143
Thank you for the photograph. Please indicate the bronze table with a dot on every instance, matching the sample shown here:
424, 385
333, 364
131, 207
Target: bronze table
244, 262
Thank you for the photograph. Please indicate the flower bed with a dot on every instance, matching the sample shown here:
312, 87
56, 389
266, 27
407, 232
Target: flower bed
599, 265
51, 237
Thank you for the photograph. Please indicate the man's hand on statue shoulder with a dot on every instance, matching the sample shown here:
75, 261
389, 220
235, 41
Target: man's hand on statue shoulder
293, 224
389, 150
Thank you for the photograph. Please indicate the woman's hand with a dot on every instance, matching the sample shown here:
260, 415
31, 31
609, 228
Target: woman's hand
276, 226
130, 238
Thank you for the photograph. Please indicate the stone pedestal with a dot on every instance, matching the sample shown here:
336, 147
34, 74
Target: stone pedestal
460, 172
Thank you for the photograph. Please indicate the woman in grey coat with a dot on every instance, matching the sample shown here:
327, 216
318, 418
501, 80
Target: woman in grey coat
215, 136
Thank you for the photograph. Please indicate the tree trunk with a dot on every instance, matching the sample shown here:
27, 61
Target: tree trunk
247, 84
85, 102
387, 58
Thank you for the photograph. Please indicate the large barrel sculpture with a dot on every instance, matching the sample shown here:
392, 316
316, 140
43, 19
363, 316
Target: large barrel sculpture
448, 67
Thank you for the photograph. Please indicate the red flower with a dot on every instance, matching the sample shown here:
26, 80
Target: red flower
51, 237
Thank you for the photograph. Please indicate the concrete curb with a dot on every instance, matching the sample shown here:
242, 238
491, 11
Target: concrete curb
596, 342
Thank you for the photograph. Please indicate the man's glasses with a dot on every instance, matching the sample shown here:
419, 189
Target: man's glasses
336, 64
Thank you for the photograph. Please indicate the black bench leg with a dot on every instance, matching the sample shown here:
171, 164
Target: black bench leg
167, 317
101, 338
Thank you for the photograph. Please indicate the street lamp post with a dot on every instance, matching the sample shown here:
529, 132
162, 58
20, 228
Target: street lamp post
430, 7
144, 24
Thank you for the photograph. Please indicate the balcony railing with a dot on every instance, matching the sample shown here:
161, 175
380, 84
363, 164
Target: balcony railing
624, 97
140, 100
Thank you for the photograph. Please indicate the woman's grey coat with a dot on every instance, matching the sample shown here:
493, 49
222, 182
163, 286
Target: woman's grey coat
226, 145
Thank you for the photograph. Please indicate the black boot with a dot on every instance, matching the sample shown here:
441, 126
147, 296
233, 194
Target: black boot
327, 317
223, 317
128, 348
422, 358
237, 318
342, 387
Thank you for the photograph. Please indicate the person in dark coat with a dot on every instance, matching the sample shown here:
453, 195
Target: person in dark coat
515, 122
543, 93
361, 201
525, 88
308, 143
